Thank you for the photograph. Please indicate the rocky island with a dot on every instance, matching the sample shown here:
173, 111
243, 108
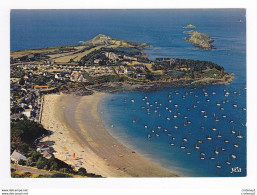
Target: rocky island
190, 26
200, 40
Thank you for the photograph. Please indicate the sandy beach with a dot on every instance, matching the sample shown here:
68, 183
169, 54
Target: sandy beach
77, 128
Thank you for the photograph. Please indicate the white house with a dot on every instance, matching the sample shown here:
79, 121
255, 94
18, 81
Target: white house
16, 156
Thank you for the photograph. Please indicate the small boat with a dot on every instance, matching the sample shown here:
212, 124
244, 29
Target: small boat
175, 105
188, 122
188, 152
212, 158
170, 110
234, 105
152, 131
175, 127
159, 127
233, 156
223, 149
199, 141
224, 116
156, 102
235, 145
132, 100
147, 103
155, 111
202, 127
185, 117
216, 151
217, 104
169, 134
202, 111
148, 136
231, 121
165, 130
218, 166
182, 147
166, 108
175, 116
157, 135
214, 129
184, 139
172, 144
194, 106
202, 153
226, 141
239, 136
133, 121
219, 136
145, 126
209, 137
244, 109
217, 120
205, 116
208, 100
170, 101
213, 93
178, 113
197, 147
228, 163
202, 158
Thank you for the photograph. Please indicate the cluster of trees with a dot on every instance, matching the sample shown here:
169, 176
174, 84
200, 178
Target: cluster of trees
34, 57
24, 133
196, 65
106, 79
99, 54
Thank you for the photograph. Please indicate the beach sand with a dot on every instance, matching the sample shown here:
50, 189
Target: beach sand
77, 128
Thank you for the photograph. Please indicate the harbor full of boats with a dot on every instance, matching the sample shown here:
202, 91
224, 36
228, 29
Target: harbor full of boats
196, 131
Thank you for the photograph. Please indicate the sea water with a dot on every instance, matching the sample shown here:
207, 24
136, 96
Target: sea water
164, 126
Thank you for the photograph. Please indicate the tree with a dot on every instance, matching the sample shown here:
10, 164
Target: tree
22, 81
149, 76
82, 171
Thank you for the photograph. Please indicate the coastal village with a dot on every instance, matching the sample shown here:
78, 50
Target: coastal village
37, 72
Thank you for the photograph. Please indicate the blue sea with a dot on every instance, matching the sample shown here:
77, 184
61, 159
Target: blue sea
193, 131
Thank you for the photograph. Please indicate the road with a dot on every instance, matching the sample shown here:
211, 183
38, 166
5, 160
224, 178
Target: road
31, 170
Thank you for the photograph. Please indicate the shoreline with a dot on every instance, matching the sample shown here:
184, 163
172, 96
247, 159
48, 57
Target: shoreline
153, 86
77, 128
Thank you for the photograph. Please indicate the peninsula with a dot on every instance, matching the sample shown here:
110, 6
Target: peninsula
50, 85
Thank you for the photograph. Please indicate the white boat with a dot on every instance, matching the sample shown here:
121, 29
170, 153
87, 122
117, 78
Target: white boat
216, 151
239, 136
182, 147
226, 141
233, 156
218, 166
185, 139
209, 137
197, 147
235, 145
214, 129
